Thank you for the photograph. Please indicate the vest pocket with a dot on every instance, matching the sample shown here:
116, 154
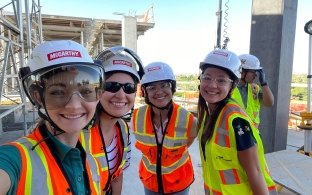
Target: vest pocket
242, 188
148, 179
173, 154
146, 150
224, 158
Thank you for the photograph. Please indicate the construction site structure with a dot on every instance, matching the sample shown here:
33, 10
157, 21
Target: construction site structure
21, 31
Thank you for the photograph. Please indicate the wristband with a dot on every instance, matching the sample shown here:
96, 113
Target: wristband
264, 84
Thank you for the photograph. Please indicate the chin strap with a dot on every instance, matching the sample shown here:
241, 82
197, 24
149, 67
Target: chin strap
56, 129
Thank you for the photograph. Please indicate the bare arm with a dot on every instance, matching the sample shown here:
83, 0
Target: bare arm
267, 96
117, 185
5, 182
250, 162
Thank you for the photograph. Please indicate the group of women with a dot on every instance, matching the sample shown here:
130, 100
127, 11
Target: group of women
82, 145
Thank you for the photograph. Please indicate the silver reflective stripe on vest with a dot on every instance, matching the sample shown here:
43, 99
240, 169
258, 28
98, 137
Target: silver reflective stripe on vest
141, 120
100, 157
222, 134
166, 170
229, 176
145, 138
140, 135
171, 143
221, 131
93, 169
181, 123
38, 171
124, 130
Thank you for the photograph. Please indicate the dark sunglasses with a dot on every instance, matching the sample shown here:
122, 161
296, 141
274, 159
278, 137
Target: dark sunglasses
113, 87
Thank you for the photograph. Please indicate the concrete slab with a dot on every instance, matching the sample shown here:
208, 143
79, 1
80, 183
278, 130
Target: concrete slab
291, 170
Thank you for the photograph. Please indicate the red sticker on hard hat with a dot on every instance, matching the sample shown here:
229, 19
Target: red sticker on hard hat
63, 54
220, 53
153, 68
122, 62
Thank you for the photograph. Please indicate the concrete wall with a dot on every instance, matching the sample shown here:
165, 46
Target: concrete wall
272, 41
129, 32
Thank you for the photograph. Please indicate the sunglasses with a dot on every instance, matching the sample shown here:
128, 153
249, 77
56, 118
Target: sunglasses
113, 87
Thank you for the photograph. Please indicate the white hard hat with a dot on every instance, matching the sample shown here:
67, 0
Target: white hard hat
51, 53
157, 71
223, 59
250, 62
120, 58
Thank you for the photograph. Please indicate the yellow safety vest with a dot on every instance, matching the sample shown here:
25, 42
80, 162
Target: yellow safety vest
92, 142
171, 164
253, 103
223, 174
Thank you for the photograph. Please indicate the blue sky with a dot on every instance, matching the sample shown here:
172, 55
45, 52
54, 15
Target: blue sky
176, 20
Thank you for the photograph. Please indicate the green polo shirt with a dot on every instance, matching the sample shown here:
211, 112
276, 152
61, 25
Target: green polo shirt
71, 159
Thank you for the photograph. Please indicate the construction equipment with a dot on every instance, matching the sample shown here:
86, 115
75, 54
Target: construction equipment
306, 124
306, 120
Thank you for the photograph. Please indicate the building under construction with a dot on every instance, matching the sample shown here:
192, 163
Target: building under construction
21, 31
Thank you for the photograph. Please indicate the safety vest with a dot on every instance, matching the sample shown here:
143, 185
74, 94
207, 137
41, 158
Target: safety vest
222, 171
169, 162
253, 103
93, 143
41, 173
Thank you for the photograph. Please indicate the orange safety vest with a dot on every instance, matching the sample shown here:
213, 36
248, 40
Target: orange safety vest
93, 143
222, 172
41, 173
168, 162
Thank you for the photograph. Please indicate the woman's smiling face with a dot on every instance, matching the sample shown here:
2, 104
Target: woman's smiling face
119, 103
215, 85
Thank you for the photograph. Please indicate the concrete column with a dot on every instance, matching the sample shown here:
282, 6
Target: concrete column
129, 32
101, 44
272, 40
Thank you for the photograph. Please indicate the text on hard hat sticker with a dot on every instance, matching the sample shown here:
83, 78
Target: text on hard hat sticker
63, 53
153, 68
122, 62
220, 53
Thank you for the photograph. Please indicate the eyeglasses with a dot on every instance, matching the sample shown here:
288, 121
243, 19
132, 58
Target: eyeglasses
57, 86
154, 87
218, 80
113, 87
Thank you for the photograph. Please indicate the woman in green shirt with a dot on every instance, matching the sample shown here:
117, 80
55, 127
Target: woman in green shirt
63, 82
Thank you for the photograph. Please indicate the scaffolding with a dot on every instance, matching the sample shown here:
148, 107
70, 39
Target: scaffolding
22, 27
18, 34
